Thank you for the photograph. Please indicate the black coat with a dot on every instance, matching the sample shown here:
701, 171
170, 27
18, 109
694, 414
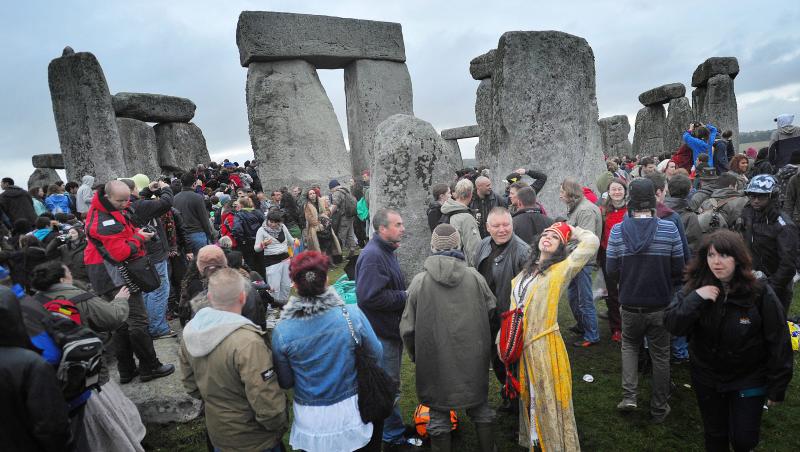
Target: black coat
17, 204
772, 238
740, 341
529, 222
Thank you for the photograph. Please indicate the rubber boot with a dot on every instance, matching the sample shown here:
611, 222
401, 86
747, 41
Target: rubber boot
441, 443
485, 437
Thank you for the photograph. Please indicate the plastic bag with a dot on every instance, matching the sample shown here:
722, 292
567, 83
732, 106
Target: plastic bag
346, 289
794, 333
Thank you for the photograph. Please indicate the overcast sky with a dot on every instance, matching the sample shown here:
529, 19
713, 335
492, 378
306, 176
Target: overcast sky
189, 49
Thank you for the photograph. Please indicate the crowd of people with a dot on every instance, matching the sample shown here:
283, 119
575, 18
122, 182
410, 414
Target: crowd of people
695, 253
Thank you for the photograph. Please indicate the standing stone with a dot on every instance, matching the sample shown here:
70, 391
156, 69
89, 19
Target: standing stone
84, 117
181, 146
43, 177
614, 132
55, 161
454, 154
409, 157
139, 148
374, 90
293, 129
324, 41
484, 117
153, 107
648, 132
719, 105
545, 111
679, 115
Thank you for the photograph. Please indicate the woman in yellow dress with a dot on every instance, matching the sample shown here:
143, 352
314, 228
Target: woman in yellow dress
546, 416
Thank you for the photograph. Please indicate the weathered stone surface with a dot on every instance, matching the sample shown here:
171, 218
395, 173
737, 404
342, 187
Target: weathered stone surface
648, 132
163, 400
717, 102
181, 146
374, 90
679, 115
84, 117
43, 177
409, 157
454, 152
293, 129
153, 107
545, 111
324, 41
614, 132
459, 133
715, 66
481, 66
55, 161
484, 117
139, 148
662, 94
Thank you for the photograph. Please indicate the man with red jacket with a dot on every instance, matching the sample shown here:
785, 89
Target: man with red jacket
109, 224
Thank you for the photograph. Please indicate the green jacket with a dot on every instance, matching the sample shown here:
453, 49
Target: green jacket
445, 330
96, 313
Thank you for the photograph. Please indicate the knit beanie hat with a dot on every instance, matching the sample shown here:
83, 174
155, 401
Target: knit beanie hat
445, 237
333, 184
641, 195
561, 229
211, 256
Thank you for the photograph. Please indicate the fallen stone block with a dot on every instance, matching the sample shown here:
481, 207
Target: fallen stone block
153, 107
326, 42
662, 94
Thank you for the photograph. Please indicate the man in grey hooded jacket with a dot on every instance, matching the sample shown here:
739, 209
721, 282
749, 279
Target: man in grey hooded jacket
83, 199
784, 141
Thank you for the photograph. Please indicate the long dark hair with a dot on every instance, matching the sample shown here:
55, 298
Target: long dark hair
729, 243
531, 266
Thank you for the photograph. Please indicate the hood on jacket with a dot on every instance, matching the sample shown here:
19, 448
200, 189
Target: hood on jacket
12, 328
784, 120
727, 192
14, 192
676, 204
446, 270
300, 307
451, 205
663, 211
638, 233
87, 180
209, 328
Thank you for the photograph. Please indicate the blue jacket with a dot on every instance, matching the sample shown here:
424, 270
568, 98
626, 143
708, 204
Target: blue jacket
381, 288
58, 203
645, 255
699, 146
313, 351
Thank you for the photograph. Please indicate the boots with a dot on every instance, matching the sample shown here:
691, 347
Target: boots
485, 438
121, 345
441, 443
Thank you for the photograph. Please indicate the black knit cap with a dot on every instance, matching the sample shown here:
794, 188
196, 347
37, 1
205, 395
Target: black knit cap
641, 195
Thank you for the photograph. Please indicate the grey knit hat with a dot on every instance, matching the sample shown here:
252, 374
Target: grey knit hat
445, 237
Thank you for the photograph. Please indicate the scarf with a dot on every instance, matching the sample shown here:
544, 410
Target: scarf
276, 233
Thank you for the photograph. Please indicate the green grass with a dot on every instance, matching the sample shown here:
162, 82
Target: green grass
600, 426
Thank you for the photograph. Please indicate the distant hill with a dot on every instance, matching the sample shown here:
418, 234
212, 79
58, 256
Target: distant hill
755, 136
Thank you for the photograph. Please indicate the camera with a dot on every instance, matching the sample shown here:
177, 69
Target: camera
151, 230
63, 238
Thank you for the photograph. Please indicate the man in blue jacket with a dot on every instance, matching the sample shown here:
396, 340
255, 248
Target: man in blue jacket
381, 292
645, 255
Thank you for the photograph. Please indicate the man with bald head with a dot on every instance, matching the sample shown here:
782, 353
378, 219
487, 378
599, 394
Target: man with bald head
113, 238
483, 202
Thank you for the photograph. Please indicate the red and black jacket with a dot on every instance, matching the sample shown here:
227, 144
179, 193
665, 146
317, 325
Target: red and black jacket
114, 229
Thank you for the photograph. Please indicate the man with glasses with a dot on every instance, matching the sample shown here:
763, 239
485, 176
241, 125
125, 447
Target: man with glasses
771, 236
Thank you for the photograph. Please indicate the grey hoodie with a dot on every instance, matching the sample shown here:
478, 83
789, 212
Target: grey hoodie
209, 328
83, 199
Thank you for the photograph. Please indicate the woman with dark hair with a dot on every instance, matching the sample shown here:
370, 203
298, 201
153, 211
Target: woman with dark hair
291, 214
314, 353
37, 195
273, 239
613, 209
545, 378
740, 350
739, 166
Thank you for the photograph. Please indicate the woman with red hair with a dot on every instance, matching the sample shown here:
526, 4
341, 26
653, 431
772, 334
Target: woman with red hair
314, 352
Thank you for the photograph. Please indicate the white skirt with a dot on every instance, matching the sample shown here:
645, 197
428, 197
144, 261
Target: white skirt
111, 422
330, 428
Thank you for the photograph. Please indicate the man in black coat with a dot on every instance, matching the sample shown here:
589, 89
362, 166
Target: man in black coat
528, 219
16, 202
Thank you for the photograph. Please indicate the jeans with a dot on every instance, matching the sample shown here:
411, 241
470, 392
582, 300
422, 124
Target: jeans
156, 302
635, 327
393, 427
579, 293
439, 423
198, 240
612, 299
728, 418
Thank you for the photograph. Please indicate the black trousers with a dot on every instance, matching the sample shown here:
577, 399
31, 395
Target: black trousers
729, 418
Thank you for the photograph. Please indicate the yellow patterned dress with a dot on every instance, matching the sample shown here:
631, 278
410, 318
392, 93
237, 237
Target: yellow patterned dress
545, 376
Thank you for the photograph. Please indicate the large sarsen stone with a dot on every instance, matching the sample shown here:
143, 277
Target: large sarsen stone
294, 132
649, 129
679, 115
84, 117
662, 94
139, 148
181, 146
55, 161
715, 66
409, 157
324, 41
481, 66
153, 107
43, 177
614, 131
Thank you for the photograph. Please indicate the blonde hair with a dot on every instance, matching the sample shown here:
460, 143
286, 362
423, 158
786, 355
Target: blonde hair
225, 287
573, 189
464, 189
245, 202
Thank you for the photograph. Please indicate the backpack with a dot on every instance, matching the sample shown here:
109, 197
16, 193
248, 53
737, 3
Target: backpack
712, 219
79, 367
445, 218
349, 204
782, 178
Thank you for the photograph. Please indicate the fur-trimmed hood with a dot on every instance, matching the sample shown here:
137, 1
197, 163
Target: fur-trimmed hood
300, 307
